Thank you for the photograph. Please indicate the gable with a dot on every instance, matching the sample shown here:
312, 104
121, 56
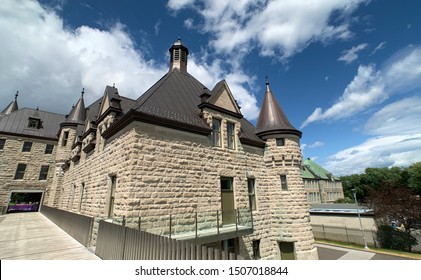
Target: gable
223, 98
226, 102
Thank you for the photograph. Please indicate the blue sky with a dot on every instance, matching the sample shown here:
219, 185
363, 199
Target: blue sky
346, 73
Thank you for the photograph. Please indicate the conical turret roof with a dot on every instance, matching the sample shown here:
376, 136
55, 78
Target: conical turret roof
78, 113
272, 120
13, 106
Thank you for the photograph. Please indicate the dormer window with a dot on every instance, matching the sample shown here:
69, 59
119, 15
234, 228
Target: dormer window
34, 123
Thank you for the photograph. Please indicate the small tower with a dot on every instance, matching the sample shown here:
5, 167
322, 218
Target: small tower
66, 138
13, 106
178, 56
285, 188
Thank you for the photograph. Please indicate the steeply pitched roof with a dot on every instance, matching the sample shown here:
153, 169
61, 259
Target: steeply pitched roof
16, 123
175, 98
272, 119
314, 171
13, 106
78, 113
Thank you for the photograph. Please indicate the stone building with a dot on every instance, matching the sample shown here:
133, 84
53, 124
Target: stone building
320, 185
181, 160
28, 140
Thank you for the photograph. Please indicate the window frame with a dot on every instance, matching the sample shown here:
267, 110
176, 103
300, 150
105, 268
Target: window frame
251, 188
280, 142
50, 151
65, 138
43, 173
216, 132
20, 171
231, 136
34, 123
284, 182
27, 146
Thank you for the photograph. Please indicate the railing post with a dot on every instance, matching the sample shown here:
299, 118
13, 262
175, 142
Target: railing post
196, 228
217, 222
236, 220
139, 222
170, 224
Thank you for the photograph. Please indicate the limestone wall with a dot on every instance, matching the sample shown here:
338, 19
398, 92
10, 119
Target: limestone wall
162, 171
12, 155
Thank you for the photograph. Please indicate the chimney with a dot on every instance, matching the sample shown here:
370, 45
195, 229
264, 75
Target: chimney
178, 56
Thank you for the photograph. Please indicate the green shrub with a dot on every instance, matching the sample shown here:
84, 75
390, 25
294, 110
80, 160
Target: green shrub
390, 238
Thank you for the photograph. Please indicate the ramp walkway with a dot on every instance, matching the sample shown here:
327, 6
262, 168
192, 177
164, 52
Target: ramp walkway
31, 236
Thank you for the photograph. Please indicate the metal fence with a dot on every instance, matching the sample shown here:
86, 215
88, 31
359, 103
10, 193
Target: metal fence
344, 234
118, 242
76, 225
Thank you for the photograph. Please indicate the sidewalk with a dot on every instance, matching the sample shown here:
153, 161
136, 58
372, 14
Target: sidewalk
31, 236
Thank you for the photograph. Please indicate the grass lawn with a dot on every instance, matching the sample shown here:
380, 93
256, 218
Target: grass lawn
372, 249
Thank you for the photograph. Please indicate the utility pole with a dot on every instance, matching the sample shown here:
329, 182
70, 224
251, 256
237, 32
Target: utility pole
359, 217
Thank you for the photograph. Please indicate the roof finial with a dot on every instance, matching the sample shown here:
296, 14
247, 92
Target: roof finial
83, 91
267, 79
113, 85
16, 95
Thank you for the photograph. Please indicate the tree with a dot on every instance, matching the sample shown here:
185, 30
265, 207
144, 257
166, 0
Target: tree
414, 180
396, 203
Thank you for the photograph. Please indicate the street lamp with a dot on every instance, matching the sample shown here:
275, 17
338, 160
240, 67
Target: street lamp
359, 217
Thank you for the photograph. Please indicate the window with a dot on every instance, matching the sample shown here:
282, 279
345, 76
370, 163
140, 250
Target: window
27, 146
280, 142
252, 194
226, 183
113, 182
230, 135
64, 140
49, 149
34, 123
2, 142
216, 133
20, 171
43, 174
284, 182
82, 190
256, 249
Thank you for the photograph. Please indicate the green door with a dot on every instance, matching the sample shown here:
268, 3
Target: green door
227, 201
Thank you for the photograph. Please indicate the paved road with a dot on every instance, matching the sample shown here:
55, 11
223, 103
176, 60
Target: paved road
31, 236
327, 252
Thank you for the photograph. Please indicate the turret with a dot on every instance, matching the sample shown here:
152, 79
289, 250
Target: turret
13, 106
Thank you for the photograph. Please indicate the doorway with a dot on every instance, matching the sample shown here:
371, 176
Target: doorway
287, 250
24, 201
227, 201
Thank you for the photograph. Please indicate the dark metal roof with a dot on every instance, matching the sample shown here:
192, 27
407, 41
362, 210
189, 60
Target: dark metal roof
16, 123
78, 113
272, 119
174, 97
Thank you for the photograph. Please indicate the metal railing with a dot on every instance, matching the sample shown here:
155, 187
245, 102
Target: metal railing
76, 225
344, 234
118, 242
193, 224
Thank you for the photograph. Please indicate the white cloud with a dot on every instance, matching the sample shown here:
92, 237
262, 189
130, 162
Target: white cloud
379, 47
277, 28
352, 54
317, 144
366, 89
49, 63
403, 117
401, 74
382, 151
403, 70
398, 140
179, 4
